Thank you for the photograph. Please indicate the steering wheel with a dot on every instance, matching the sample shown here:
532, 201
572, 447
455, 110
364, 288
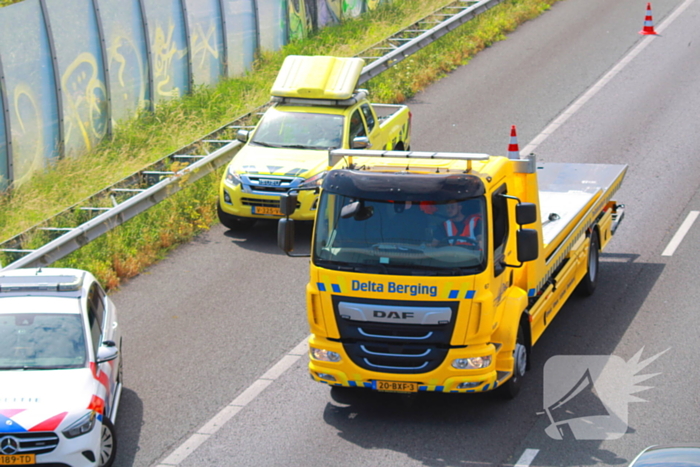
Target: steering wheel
458, 240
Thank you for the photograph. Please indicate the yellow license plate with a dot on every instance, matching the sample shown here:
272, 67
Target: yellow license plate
395, 386
267, 210
18, 459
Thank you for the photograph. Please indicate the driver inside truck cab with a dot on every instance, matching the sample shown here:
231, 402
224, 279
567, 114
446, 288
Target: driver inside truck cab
463, 225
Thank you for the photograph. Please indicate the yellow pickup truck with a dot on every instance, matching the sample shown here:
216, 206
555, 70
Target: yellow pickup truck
315, 108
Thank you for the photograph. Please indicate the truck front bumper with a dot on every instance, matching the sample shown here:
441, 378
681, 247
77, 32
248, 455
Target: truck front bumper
445, 378
235, 202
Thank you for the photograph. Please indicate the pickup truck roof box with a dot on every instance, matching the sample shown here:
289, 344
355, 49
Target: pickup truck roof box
317, 77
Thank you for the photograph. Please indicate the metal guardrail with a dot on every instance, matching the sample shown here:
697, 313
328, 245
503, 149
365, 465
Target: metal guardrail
55, 238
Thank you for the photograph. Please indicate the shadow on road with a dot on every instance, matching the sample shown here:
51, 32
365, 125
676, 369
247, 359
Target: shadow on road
485, 429
262, 237
129, 423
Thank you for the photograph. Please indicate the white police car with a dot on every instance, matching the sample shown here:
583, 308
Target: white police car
60, 369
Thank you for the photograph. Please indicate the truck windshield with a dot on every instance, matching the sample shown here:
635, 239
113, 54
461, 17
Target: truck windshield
299, 130
400, 238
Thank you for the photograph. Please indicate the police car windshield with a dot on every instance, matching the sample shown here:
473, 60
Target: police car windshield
41, 341
402, 238
299, 130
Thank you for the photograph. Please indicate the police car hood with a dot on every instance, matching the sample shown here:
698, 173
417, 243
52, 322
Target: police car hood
259, 160
43, 400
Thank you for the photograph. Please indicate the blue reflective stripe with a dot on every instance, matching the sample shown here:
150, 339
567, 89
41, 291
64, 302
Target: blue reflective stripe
336, 288
470, 294
321, 286
531, 293
352, 384
422, 388
439, 388
368, 385
454, 293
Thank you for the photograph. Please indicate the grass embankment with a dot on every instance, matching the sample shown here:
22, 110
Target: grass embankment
127, 250
8, 2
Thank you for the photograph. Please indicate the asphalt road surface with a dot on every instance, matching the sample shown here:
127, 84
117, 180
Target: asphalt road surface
203, 327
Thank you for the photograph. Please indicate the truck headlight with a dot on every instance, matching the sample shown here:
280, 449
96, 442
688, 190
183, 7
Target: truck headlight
84, 425
473, 363
314, 181
324, 355
232, 178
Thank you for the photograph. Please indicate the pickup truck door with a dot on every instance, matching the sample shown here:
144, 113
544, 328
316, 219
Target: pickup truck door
376, 136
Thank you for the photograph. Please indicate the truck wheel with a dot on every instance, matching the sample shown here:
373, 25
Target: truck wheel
511, 388
234, 222
590, 280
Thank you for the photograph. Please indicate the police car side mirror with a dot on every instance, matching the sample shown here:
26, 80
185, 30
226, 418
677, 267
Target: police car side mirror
107, 352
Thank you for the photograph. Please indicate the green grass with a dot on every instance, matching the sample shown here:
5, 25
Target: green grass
127, 250
8, 2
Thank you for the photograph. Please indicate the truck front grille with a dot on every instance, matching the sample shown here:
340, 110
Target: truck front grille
394, 347
30, 442
270, 203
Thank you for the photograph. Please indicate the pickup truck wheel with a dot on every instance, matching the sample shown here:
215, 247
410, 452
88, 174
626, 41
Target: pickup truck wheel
234, 222
108, 443
590, 280
511, 388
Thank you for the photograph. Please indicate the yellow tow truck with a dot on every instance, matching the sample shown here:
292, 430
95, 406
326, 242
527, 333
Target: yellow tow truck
440, 271
315, 107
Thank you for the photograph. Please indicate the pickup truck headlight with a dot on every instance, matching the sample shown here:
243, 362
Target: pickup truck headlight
314, 181
84, 425
324, 355
473, 363
232, 178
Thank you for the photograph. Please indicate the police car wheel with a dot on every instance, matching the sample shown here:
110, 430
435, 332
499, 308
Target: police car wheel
108, 443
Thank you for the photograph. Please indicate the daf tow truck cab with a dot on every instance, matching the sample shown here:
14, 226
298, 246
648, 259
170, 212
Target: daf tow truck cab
400, 300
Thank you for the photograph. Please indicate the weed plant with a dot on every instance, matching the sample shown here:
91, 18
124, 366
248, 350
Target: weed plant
128, 249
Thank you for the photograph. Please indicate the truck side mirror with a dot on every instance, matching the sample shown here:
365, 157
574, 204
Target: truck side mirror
285, 235
242, 135
288, 203
361, 142
528, 245
525, 213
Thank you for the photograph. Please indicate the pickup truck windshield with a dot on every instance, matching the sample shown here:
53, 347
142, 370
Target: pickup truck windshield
41, 341
400, 238
299, 130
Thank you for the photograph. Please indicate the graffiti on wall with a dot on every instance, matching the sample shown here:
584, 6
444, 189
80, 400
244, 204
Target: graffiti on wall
28, 117
124, 56
205, 51
164, 52
85, 103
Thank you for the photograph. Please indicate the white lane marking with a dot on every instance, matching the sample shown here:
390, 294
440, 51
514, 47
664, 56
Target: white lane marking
227, 413
527, 458
680, 234
581, 101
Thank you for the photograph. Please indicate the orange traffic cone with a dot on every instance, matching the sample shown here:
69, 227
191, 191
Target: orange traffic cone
648, 29
513, 150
